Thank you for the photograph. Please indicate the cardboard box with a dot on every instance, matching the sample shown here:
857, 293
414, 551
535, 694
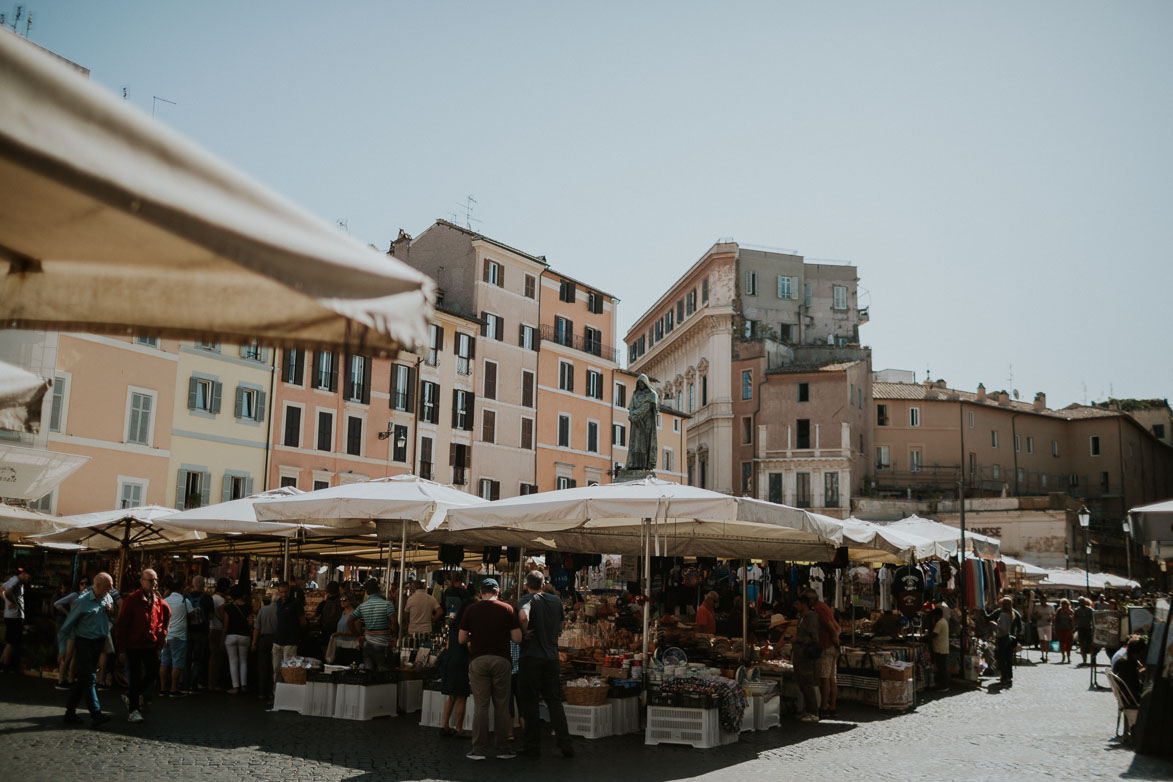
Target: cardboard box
897, 671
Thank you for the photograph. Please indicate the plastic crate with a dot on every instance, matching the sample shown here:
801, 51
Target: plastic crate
320, 698
411, 695
356, 702
700, 728
289, 697
767, 712
747, 720
590, 722
624, 715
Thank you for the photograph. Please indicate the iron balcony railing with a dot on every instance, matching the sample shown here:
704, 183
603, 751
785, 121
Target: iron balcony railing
578, 342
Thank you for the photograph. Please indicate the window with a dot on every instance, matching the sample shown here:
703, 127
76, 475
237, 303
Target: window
494, 274
253, 352
747, 477
530, 286
564, 331
660, 329
802, 489
528, 337
996, 471
594, 302
691, 397
563, 431
881, 415
435, 345
667, 460
354, 435
804, 392
1159, 431
489, 489
594, 384
705, 299
786, 333
462, 406
914, 460
972, 463
1054, 447
704, 392
203, 394
402, 387
288, 480
830, 490
527, 388
527, 433
492, 326
130, 494
319, 485
292, 437
250, 404
751, 329
592, 341
464, 353
690, 302
488, 426
680, 311
1020, 475
150, 342
236, 486
1030, 445
426, 458
325, 431
565, 376
57, 406
747, 384
839, 297
807, 294
490, 380
193, 488
993, 438
802, 433
746, 430
430, 408
325, 371
212, 346
669, 321
971, 420
619, 435
138, 424
564, 482
882, 458
751, 283
785, 287
566, 291
914, 416
293, 367
459, 457
592, 436
1095, 445
676, 425
399, 443
620, 395
1043, 480
1017, 443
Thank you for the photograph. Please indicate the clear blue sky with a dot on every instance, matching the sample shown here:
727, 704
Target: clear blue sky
999, 172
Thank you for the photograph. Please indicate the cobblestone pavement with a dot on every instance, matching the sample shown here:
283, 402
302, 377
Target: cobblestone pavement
1049, 725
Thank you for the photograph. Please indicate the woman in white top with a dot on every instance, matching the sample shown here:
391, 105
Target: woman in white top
1044, 615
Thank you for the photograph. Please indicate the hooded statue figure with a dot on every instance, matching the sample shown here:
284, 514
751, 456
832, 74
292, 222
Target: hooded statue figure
641, 445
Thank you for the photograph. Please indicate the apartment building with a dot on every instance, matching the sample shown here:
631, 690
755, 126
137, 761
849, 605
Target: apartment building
498, 285
736, 313
1153, 414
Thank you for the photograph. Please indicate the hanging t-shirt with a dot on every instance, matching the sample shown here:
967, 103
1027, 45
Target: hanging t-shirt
909, 589
816, 581
884, 585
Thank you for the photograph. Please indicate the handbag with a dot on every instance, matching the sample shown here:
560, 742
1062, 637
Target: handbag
331, 649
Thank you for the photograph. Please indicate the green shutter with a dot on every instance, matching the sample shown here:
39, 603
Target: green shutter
193, 387
205, 489
248, 487
226, 488
217, 390
180, 483
238, 410
259, 413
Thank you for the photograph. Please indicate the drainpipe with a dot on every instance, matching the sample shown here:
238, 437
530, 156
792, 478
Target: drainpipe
961, 466
755, 439
272, 421
415, 421
1014, 445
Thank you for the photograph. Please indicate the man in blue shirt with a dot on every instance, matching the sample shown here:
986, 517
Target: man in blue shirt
88, 624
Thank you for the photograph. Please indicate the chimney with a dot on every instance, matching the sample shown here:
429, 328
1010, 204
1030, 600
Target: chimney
939, 384
981, 394
1003, 398
928, 383
400, 244
1040, 401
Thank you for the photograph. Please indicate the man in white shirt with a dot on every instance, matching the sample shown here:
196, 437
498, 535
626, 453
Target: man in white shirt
14, 615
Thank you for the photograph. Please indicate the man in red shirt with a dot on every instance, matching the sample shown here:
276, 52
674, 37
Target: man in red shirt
488, 626
706, 614
825, 666
139, 633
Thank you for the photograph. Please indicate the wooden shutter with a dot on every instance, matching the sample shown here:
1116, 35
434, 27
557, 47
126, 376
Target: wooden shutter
193, 386
299, 367
484, 324
439, 339
205, 489
180, 494
490, 380
489, 426
426, 449
393, 388
367, 369
411, 394
527, 433
467, 456
239, 409
527, 389
521, 334
333, 371
494, 490
455, 408
217, 388
485, 275
501, 276
452, 454
347, 375
570, 378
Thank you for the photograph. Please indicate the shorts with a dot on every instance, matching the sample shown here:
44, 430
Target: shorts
174, 654
826, 667
62, 645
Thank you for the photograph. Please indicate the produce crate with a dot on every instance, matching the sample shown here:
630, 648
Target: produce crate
432, 708
624, 715
767, 712
896, 695
320, 697
411, 695
358, 702
289, 697
700, 728
590, 722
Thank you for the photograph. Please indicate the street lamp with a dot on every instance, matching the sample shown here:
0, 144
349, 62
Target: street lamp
400, 442
1127, 528
1085, 519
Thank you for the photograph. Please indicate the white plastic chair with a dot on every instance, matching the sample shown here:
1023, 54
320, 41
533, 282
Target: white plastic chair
1126, 704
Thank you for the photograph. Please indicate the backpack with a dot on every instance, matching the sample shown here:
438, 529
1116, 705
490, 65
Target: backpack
195, 609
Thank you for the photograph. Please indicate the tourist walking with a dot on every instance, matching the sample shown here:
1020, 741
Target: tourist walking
237, 638
541, 617
807, 650
826, 671
1007, 629
66, 649
487, 627
375, 621
173, 660
140, 632
264, 640
13, 593
1064, 629
940, 646
453, 664
199, 627
1083, 629
88, 626
1044, 617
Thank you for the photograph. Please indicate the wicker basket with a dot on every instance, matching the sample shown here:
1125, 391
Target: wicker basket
614, 673
294, 675
586, 696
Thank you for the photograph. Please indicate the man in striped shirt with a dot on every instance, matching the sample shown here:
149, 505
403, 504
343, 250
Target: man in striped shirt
375, 621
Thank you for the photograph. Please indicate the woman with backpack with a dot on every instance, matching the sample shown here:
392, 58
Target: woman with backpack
238, 637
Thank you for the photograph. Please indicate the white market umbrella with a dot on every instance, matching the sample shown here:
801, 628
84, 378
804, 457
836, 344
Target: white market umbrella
949, 536
1153, 523
112, 223
869, 542
234, 517
1027, 569
24, 521
418, 505
626, 518
22, 395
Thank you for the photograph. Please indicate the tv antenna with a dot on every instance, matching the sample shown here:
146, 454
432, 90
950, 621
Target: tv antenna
124, 94
469, 205
155, 100
343, 225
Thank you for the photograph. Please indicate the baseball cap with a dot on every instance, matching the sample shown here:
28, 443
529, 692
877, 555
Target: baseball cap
490, 585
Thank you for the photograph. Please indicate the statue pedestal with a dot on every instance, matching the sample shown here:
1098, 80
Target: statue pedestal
624, 475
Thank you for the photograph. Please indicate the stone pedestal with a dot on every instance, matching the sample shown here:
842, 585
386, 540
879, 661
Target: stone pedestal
624, 475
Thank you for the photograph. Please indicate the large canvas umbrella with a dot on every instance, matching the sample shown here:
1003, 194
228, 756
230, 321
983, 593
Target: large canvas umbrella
23, 521
22, 395
110, 222
639, 516
949, 536
869, 542
1153, 523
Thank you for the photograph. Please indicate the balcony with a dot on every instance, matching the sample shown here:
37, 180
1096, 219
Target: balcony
592, 346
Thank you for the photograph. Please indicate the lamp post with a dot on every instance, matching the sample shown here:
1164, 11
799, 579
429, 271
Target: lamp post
1127, 545
1085, 519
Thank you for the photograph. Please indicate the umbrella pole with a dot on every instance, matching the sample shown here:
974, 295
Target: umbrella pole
402, 575
285, 571
647, 593
520, 568
744, 609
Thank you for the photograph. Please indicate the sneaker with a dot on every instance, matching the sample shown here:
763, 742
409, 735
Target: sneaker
474, 756
61, 686
99, 719
808, 718
506, 755
71, 719
135, 716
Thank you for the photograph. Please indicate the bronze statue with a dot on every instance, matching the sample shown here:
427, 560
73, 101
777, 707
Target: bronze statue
642, 413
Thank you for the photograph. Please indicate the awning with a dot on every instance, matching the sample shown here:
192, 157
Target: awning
21, 397
31, 473
1153, 523
112, 223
